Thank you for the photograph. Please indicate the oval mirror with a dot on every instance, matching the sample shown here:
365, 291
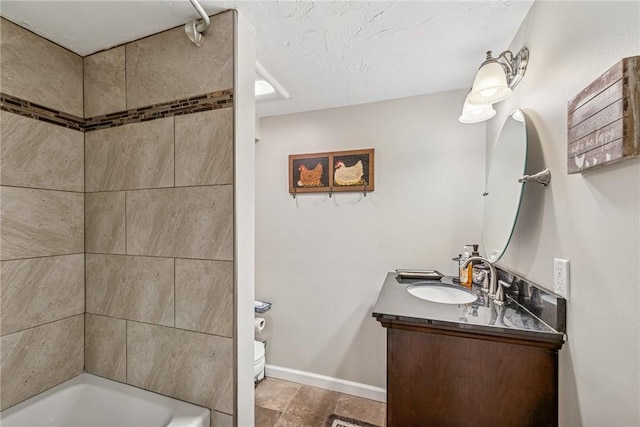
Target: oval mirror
503, 192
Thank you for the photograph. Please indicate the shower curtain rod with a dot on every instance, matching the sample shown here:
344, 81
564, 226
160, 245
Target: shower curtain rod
203, 26
194, 29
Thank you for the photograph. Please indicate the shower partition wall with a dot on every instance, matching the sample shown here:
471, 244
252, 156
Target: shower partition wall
149, 201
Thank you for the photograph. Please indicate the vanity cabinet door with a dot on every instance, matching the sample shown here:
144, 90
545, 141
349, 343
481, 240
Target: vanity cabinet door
447, 378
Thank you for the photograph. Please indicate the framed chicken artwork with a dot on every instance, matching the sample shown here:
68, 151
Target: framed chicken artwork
332, 171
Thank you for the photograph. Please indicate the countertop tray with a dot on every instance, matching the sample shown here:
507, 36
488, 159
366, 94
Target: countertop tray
419, 274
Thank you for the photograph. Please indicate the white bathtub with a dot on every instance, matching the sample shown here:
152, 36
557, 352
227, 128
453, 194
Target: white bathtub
90, 401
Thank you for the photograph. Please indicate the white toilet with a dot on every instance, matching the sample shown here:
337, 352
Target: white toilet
258, 361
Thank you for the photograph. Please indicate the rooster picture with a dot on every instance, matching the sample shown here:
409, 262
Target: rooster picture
348, 175
310, 177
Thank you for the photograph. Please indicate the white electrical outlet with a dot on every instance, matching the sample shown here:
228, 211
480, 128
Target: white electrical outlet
561, 277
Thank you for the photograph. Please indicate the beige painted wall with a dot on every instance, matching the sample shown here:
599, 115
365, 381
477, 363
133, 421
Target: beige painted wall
592, 219
42, 217
322, 261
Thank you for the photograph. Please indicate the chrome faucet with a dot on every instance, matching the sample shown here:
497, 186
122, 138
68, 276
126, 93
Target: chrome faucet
493, 278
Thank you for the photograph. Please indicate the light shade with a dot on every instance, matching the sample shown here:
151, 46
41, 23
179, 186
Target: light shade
475, 113
490, 85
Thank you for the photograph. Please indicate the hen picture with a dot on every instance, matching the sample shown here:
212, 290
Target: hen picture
351, 169
348, 175
309, 172
310, 178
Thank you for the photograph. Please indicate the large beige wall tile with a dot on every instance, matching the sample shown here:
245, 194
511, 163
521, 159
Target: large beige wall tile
105, 347
167, 66
39, 71
137, 155
104, 82
218, 419
186, 365
104, 222
40, 358
40, 290
105, 157
188, 222
38, 154
204, 148
40, 223
204, 296
130, 287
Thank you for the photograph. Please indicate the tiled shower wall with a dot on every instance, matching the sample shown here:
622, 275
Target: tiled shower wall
159, 217
41, 220
153, 214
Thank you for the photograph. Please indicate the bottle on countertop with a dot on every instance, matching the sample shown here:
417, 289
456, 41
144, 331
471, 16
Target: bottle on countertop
464, 272
457, 259
469, 274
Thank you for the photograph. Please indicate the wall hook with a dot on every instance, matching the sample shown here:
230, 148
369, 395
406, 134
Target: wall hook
330, 192
295, 190
543, 178
485, 194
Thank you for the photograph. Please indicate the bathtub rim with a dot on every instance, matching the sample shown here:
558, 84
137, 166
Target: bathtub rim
199, 413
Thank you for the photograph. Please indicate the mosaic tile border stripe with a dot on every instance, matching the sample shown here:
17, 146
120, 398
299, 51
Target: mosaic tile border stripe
32, 110
194, 104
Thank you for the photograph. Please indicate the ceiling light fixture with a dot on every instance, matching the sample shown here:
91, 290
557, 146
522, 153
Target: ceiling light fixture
266, 86
263, 88
494, 82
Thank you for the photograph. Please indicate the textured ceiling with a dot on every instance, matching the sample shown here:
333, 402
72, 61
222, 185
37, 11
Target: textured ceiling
325, 54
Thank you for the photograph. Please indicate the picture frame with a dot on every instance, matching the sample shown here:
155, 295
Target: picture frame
334, 171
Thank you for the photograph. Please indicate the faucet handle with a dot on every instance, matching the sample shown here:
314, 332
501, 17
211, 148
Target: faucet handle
500, 295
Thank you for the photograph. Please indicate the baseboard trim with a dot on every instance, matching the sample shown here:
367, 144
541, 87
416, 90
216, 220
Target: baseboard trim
330, 383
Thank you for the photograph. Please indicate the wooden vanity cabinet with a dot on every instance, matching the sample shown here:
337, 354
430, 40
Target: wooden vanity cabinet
448, 377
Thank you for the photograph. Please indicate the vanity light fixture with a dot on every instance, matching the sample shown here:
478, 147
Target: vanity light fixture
494, 82
498, 76
475, 113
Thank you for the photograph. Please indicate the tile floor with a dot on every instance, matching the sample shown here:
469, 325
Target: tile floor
287, 404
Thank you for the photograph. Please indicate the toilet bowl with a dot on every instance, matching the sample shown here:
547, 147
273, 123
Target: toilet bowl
258, 360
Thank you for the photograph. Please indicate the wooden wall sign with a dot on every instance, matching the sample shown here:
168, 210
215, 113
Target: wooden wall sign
332, 171
603, 120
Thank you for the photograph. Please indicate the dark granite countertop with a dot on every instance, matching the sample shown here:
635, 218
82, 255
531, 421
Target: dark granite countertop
482, 316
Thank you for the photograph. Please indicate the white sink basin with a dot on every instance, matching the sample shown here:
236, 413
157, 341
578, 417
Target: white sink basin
442, 293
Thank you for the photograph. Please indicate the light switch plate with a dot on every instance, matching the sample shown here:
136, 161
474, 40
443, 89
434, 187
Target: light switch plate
561, 277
